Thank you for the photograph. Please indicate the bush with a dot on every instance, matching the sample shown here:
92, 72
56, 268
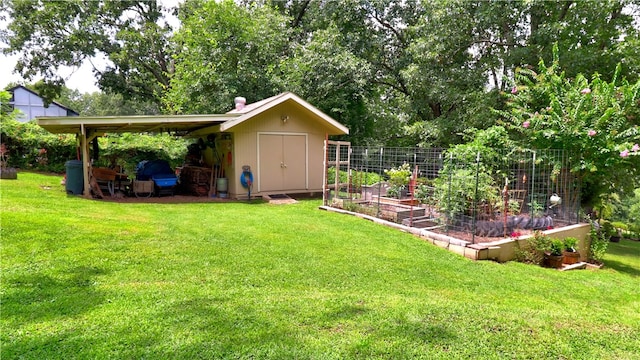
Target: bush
358, 178
128, 149
532, 250
31, 147
599, 243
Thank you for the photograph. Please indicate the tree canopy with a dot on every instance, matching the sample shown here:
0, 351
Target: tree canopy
396, 73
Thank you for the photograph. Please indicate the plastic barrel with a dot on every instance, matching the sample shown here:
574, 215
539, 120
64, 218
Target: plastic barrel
75, 177
221, 185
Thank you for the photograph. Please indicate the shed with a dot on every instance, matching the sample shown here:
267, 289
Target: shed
280, 138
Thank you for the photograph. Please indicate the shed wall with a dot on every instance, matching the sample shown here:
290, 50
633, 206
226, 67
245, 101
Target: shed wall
298, 121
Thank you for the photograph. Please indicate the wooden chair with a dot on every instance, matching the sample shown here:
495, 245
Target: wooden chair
105, 178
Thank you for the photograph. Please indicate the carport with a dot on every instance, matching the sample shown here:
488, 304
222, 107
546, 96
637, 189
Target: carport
281, 138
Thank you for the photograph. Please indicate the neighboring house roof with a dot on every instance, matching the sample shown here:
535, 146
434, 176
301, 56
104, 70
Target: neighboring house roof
70, 112
191, 124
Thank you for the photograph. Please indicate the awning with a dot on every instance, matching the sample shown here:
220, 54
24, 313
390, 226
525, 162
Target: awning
178, 124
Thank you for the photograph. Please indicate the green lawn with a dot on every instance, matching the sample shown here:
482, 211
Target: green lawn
91, 280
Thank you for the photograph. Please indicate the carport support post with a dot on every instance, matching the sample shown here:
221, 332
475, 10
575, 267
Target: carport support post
84, 144
85, 140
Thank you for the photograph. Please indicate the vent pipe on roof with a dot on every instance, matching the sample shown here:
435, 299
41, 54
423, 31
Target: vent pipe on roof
240, 102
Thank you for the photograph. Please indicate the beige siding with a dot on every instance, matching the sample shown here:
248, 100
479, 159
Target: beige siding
298, 121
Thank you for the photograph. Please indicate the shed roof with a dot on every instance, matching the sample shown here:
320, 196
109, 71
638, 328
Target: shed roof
183, 124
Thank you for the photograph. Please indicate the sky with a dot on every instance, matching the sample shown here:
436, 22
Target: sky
80, 78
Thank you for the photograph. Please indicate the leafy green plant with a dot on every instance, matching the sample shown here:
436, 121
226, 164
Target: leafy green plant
456, 192
514, 207
395, 191
556, 247
599, 243
358, 178
399, 176
423, 193
570, 244
398, 180
31, 147
536, 208
531, 251
607, 229
620, 227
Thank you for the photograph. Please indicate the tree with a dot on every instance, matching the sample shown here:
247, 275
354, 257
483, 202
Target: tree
131, 34
596, 121
344, 94
226, 50
105, 104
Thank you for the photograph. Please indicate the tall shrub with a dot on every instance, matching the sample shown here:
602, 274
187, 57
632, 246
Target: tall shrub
594, 120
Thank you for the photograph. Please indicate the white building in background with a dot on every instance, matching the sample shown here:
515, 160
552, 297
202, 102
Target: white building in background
31, 105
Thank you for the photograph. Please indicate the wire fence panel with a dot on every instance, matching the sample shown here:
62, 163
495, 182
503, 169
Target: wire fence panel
474, 196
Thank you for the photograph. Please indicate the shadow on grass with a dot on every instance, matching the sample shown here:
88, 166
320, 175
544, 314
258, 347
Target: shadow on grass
37, 297
622, 267
629, 251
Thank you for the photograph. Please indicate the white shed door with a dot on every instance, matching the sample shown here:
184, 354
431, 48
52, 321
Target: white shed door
283, 162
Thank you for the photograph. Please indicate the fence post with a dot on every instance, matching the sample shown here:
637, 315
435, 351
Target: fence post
379, 184
533, 178
475, 201
448, 220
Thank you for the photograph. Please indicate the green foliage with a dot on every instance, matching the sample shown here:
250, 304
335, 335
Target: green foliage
556, 247
48, 35
399, 176
620, 226
424, 194
531, 251
595, 121
127, 149
536, 208
345, 94
479, 161
31, 147
358, 178
227, 50
599, 243
570, 244
607, 229
514, 207
105, 104
402, 72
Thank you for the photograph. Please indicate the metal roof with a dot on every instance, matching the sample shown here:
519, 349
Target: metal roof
182, 124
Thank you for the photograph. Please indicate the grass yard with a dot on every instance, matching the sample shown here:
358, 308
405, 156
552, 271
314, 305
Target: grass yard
85, 279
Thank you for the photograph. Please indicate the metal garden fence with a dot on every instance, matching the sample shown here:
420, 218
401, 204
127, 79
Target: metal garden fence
474, 196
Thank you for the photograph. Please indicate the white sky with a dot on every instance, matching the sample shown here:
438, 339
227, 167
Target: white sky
81, 78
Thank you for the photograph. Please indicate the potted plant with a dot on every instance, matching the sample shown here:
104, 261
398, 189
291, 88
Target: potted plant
553, 257
570, 253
